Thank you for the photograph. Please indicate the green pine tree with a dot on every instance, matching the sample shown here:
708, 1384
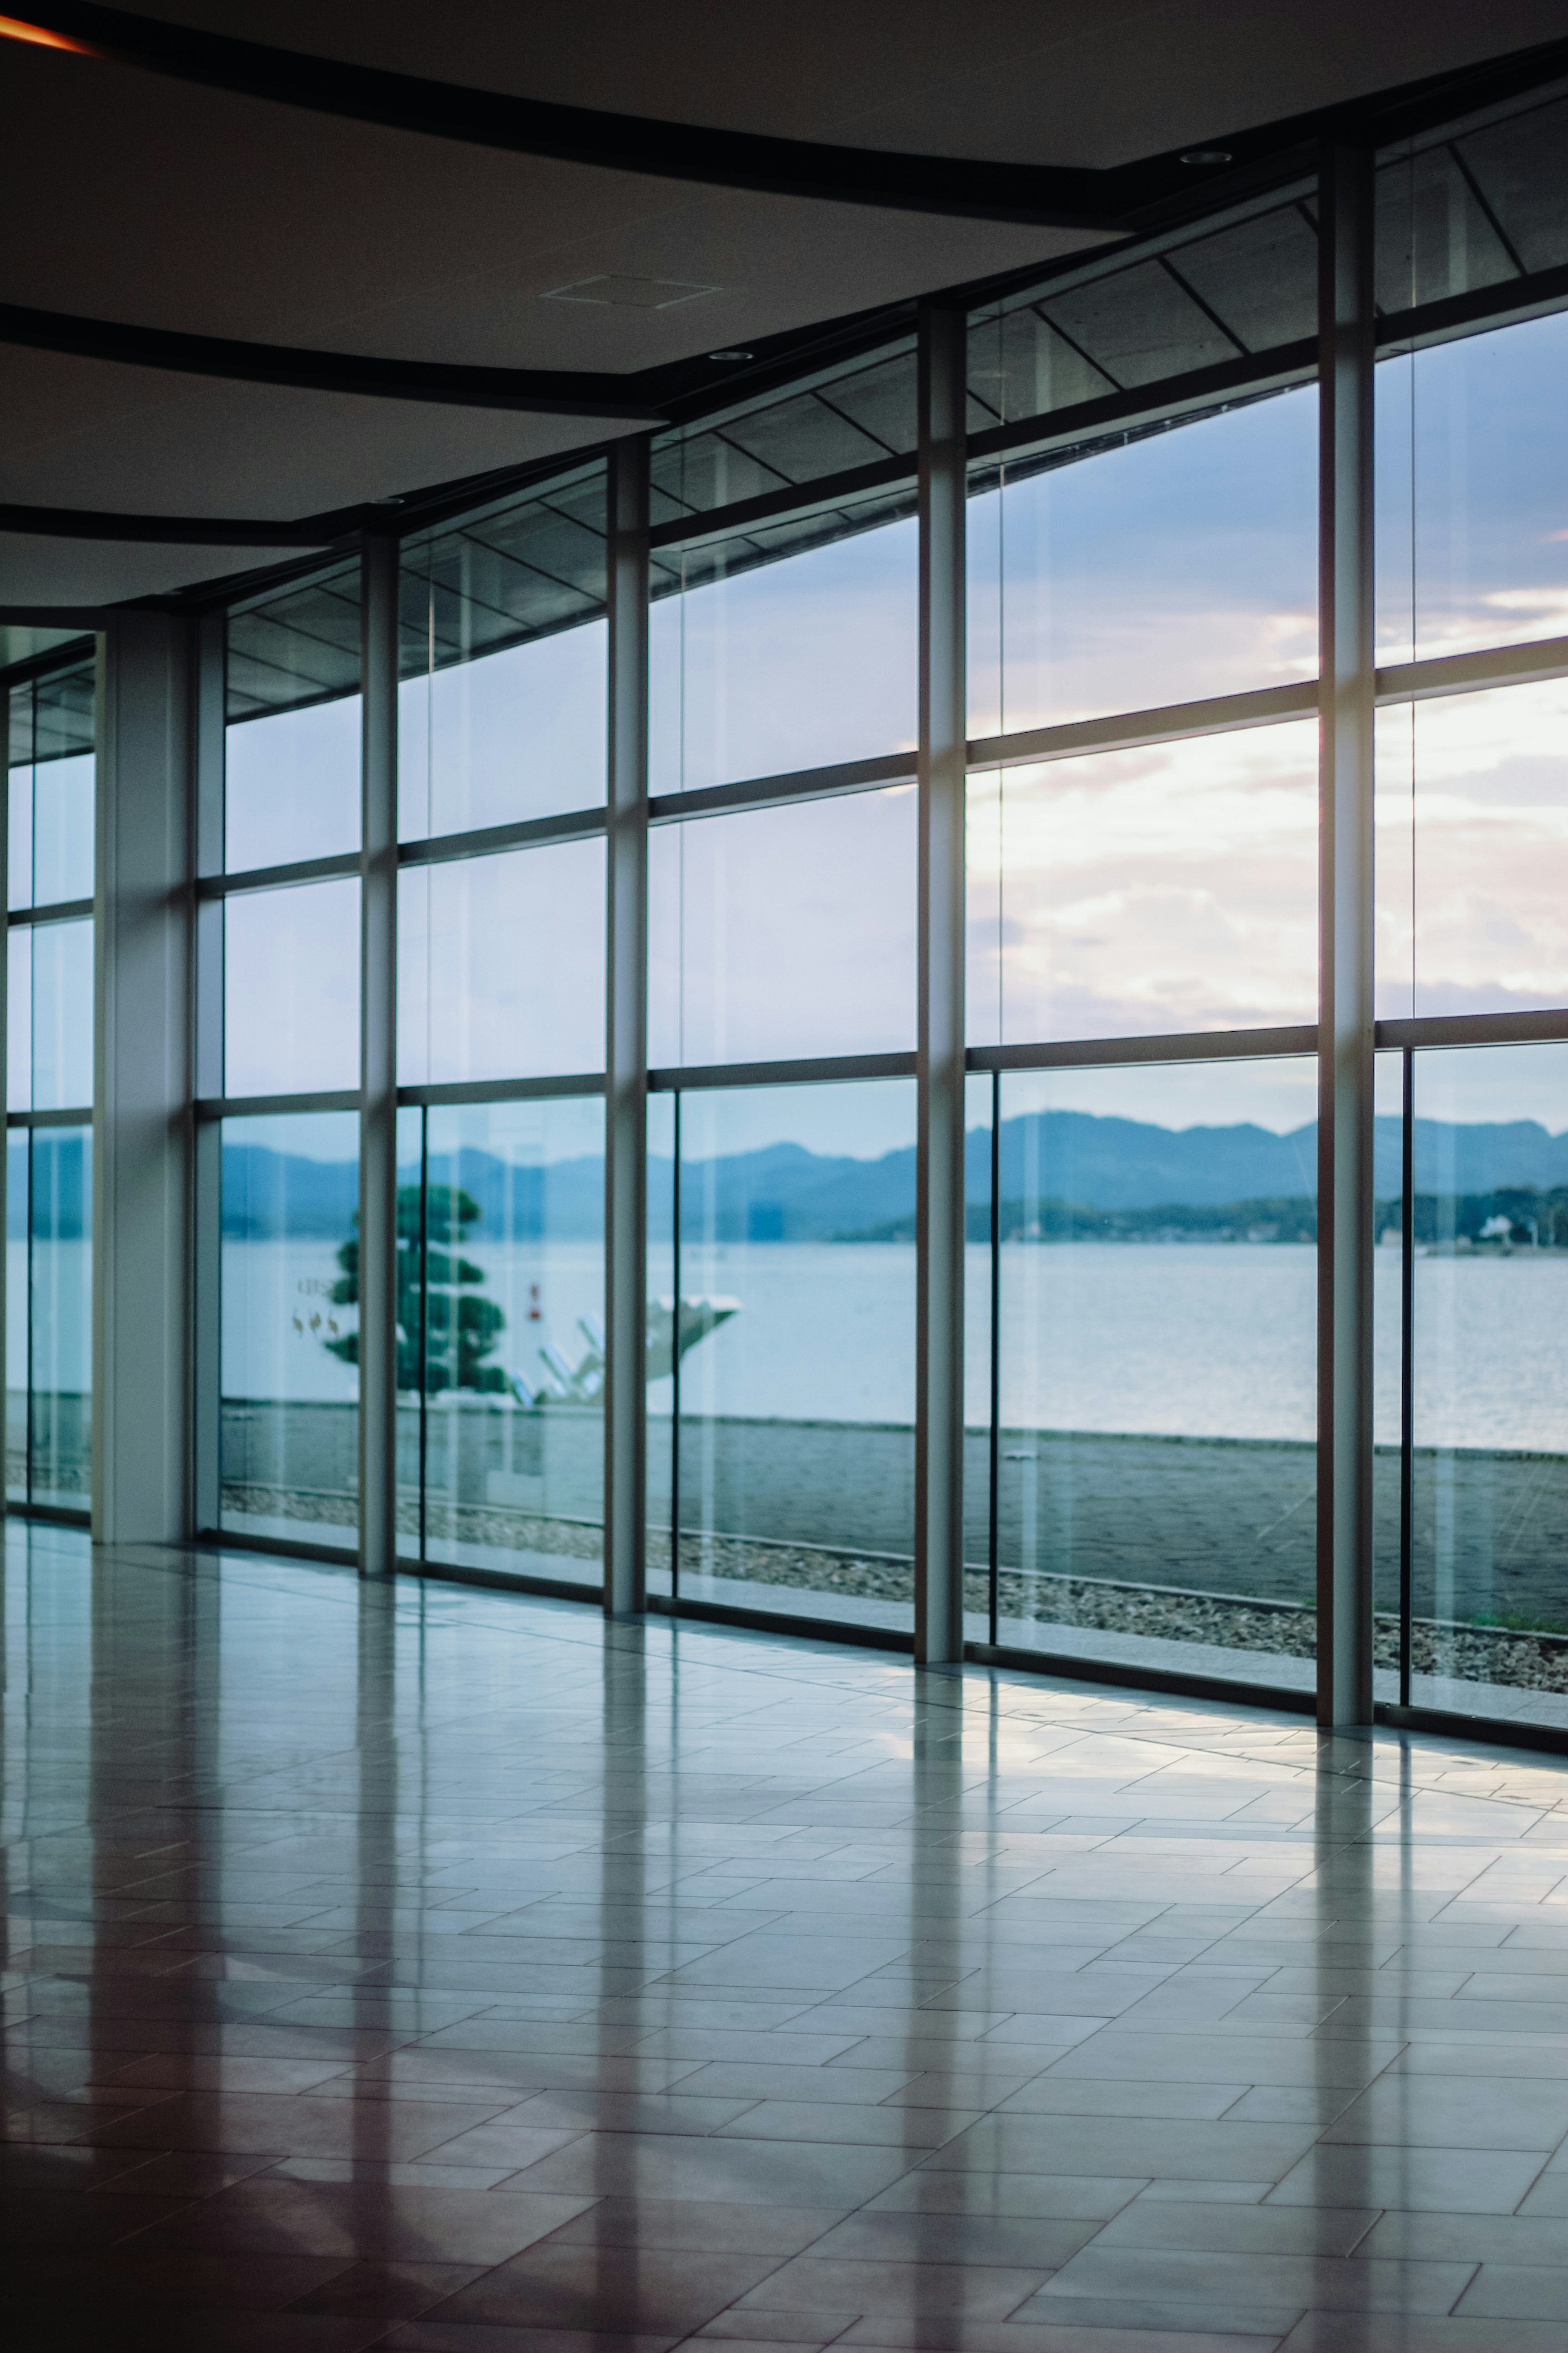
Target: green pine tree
436, 1299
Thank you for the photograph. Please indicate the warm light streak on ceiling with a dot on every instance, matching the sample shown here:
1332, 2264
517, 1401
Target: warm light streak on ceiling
12, 28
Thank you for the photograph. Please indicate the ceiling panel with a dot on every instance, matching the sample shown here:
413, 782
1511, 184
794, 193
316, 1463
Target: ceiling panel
47, 572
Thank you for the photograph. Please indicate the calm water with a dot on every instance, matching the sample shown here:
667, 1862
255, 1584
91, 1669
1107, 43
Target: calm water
1205, 1340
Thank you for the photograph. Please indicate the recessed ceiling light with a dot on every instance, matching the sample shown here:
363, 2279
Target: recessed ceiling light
724, 357
624, 293
1200, 155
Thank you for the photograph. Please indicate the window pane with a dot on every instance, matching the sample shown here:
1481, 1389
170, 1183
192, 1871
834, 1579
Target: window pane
60, 1312
794, 1303
1472, 853
1489, 1570
501, 707
49, 1017
292, 747
292, 785
1133, 893
1158, 1285
291, 983
1178, 565
857, 415
762, 664
290, 1413
1472, 475
783, 931
662, 1260
500, 965
52, 777
512, 1309
62, 830
1387, 1394
18, 1309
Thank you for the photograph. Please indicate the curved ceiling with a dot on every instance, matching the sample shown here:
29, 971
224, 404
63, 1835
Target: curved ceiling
144, 200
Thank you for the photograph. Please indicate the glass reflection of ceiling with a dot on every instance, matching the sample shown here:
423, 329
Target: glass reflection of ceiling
859, 415
1474, 207
1223, 294
674, 569
1484, 204
523, 570
54, 717
299, 647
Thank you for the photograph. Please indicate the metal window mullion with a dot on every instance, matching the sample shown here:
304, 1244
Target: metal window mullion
940, 1040
625, 1042
1345, 1034
5, 1074
206, 1051
378, 1066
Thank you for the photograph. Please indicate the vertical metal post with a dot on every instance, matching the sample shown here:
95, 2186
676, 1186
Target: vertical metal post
675, 1352
1406, 1369
994, 1531
1345, 1058
378, 1065
142, 1089
6, 1096
939, 1181
626, 1043
206, 1031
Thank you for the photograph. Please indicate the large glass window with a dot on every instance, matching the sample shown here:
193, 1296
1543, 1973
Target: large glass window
1167, 567
1489, 1531
500, 712
290, 1411
48, 1317
52, 826
781, 1348
292, 741
783, 931
53, 772
502, 1268
500, 965
1472, 477
793, 647
1157, 1342
1472, 841
1129, 893
291, 989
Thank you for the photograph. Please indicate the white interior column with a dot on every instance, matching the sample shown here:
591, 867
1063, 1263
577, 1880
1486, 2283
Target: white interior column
142, 1117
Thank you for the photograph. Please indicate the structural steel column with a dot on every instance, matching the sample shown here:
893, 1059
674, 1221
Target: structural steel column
626, 1043
1345, 1061
141, 1116
378, 1067
939, 1202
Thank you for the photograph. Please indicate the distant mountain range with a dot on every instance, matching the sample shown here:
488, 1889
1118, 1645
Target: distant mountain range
785, 1192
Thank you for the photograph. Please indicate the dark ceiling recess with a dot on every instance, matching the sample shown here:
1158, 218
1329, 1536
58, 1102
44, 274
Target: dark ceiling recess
548, 392
1047, 195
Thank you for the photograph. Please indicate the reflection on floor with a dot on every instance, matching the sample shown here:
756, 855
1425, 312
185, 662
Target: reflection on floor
432, 1969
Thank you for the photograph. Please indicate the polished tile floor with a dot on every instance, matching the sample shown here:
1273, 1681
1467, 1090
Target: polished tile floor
434, 1969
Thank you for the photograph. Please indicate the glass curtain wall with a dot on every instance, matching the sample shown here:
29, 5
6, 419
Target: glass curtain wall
1472, 844
501, 1038
281, 999
1141, 1491
1143, 953
783, 674
51, 826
